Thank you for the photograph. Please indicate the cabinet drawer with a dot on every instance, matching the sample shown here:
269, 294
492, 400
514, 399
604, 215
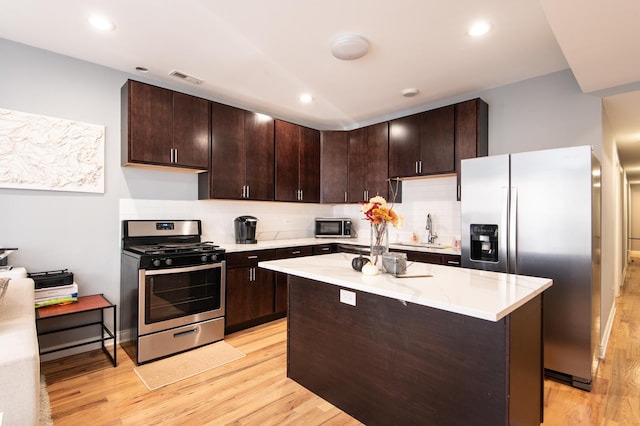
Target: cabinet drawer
424, 257
285, 253
450, 260
324, 249
249, 258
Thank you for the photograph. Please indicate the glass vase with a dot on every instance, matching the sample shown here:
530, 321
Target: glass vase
379, 242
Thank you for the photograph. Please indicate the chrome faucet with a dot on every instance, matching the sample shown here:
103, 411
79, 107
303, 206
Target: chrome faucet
431, 235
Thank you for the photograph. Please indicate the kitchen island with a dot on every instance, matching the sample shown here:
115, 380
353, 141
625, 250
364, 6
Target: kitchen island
460, 347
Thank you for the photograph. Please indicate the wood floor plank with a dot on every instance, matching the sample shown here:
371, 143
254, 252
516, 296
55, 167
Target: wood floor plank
86, 389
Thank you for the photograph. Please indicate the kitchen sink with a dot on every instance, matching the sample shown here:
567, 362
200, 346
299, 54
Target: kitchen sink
425, 245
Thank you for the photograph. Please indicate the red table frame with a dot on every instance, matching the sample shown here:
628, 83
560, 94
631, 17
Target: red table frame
95, 302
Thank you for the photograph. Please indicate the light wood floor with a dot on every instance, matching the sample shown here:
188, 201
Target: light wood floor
86, 389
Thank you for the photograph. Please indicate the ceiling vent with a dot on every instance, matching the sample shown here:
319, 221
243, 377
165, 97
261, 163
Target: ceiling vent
187, 77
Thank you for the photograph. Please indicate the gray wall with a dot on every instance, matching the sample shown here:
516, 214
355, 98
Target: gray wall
81, 231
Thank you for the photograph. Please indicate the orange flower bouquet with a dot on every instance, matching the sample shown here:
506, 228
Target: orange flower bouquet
380, 214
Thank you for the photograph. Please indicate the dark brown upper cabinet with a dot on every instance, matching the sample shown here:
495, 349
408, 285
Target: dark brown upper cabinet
422, 144
355, 165
368, 163
334, 163
471, 132
297, 159
242, 152
164, 129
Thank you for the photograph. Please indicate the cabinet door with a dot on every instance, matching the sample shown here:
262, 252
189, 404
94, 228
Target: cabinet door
437, 141
287, 161
149, 123
378, 164
334, 151
227, 174
359, 162
259, 152
471, 132
191, 131
250, 294
309, 172
404, 146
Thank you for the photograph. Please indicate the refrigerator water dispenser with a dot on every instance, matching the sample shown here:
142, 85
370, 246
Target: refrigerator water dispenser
484, 243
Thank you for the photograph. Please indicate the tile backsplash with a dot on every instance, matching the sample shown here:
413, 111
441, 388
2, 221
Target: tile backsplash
277, 220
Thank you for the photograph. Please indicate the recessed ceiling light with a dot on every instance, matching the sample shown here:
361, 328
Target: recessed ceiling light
142, 69
479, 28
101, 23
305, 98
349, 46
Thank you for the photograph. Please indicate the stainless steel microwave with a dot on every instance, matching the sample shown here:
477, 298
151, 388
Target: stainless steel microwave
333, 227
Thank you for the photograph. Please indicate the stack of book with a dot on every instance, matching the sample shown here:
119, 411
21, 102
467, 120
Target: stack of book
54, 288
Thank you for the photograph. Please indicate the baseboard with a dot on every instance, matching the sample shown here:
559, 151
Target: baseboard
604, 341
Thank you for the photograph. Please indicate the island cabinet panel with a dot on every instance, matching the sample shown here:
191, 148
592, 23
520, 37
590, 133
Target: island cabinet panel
242, 152
297, 173
384, 361
165, 129
282, 280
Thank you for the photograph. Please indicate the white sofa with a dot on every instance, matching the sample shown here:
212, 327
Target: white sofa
19, 356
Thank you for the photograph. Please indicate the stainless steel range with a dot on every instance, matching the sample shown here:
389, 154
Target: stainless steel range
172, 288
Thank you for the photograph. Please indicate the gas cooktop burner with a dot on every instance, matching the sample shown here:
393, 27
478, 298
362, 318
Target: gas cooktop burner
169, 248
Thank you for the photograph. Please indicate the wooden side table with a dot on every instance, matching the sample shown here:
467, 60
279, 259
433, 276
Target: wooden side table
95, 302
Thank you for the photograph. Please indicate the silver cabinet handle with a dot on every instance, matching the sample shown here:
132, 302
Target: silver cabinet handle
345, 196
295, 252
176, 155
248, 191
252, 257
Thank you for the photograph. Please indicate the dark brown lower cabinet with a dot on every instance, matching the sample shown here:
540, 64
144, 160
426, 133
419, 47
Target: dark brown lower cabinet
387, 362
250, 292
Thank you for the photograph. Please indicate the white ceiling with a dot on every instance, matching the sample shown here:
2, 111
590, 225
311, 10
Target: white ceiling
261, 55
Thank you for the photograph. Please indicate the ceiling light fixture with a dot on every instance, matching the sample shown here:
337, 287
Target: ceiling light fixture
142, 70
101, 23
349, 46
409, 92
305, 98
479, 28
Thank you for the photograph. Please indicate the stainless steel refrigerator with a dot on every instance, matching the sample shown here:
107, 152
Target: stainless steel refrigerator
538, 213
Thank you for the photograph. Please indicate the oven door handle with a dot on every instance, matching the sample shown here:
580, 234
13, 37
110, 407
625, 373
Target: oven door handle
185, 333
181, 270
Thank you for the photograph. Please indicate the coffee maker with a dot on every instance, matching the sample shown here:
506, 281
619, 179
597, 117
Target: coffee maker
245, 227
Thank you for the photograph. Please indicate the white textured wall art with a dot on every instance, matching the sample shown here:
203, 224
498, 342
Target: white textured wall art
39, 152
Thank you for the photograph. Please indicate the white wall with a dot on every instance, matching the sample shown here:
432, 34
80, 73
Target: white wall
82, 231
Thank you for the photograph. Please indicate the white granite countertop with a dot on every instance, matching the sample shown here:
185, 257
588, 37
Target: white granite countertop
480, 294
231, 247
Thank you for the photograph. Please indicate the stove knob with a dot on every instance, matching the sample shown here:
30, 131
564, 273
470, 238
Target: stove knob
168, 262
214, 257
156, 262
203, 258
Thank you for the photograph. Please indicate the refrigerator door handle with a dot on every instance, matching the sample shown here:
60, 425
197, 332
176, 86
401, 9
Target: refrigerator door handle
513, 230
503, 232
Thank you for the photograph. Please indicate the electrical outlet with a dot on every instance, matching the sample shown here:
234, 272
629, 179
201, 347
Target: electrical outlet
348, 297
